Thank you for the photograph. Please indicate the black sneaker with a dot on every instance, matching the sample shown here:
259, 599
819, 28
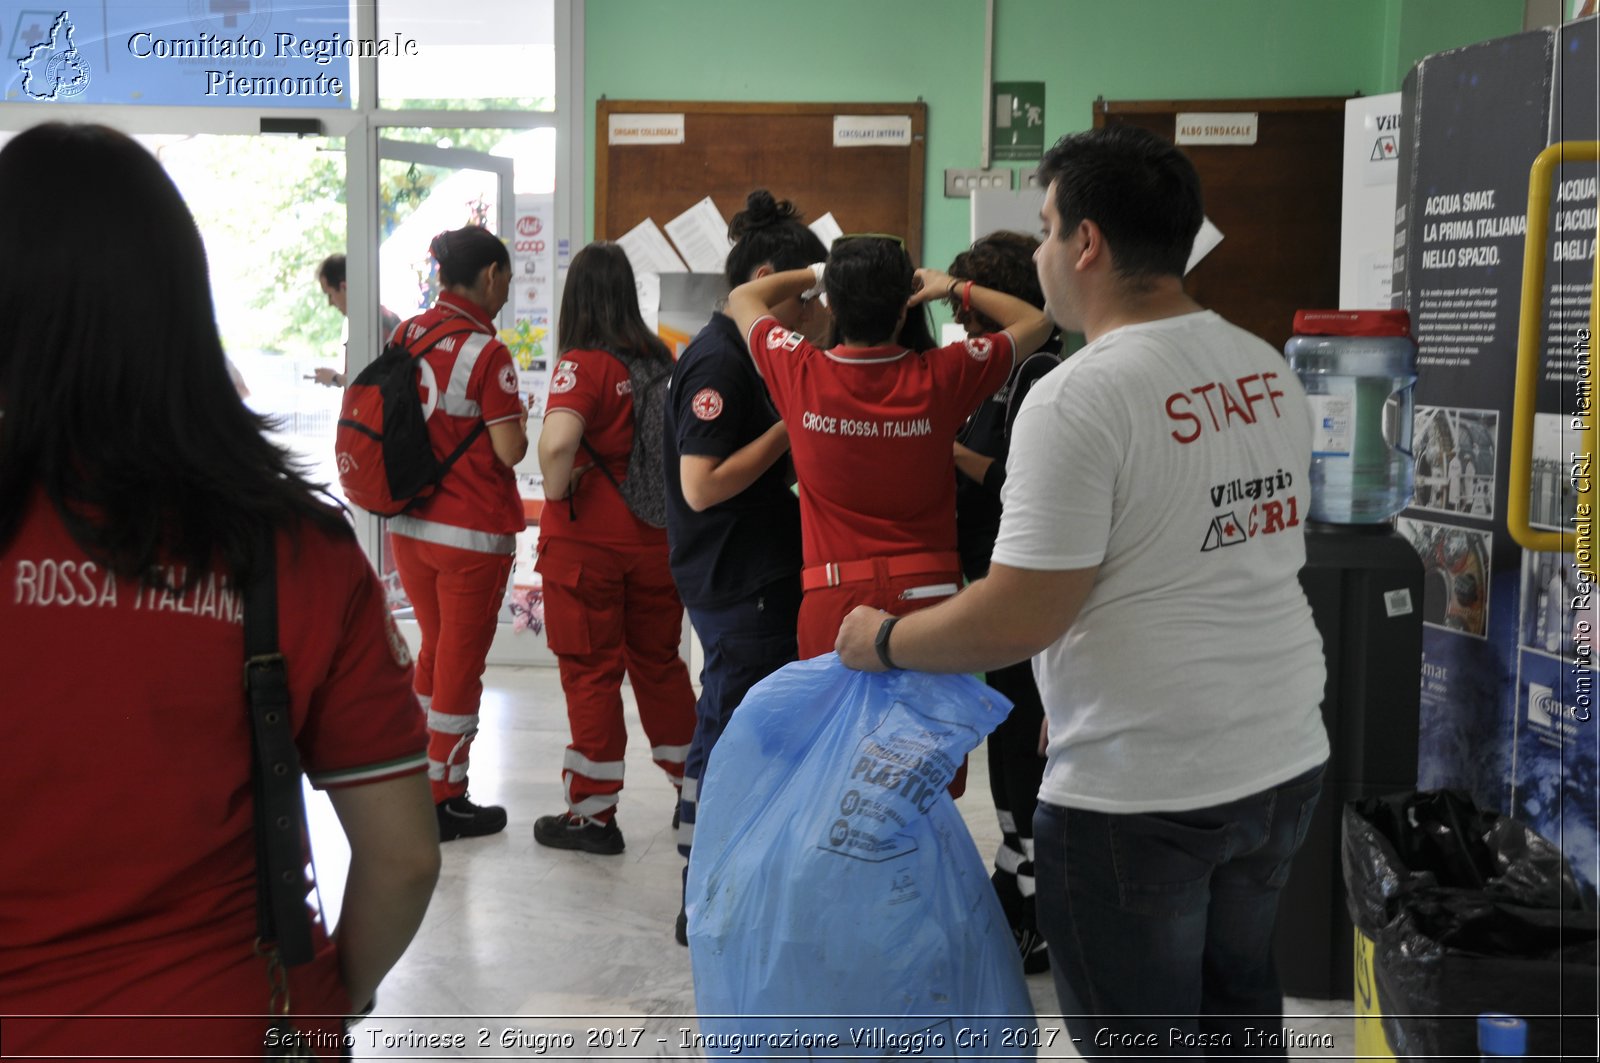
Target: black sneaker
1031, 944
460, 818
567, 831
681, 929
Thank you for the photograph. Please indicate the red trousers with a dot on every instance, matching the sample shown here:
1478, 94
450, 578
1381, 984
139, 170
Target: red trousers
456, 594
823, 609
610, 610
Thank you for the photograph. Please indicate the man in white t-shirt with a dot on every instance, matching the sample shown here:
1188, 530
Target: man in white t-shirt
1155, 508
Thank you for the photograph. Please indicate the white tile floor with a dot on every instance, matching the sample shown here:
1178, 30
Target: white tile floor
524, 943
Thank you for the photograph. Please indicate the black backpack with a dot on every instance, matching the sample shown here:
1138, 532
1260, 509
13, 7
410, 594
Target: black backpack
644, 487
385, 453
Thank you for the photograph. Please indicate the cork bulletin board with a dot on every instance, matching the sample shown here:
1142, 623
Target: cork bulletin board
729, 149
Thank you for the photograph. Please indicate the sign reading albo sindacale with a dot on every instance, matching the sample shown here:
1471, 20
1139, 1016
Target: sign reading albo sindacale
1202, 127
247, 53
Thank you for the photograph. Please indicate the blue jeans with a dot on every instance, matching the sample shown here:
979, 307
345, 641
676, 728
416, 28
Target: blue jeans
1160, 924
744, 643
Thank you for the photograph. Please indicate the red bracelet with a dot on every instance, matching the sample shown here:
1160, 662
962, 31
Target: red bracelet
966, 297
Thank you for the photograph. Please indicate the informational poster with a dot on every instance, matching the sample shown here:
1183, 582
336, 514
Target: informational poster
243, 53
1507, 668
1366, 226
530, 336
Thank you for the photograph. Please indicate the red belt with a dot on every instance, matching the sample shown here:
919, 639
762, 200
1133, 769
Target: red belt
840, 572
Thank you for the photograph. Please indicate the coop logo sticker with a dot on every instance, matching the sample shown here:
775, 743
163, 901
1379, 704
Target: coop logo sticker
53, 69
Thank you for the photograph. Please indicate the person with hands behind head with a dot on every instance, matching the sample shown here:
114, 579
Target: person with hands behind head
454, 548
870, 423
610, 605
732, 520
129, 910
1004, 261
1186, 746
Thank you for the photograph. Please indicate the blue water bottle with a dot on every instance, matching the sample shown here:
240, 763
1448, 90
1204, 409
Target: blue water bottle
1358, 368
1501, 1035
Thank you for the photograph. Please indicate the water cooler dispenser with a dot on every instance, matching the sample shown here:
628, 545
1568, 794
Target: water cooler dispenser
1365, 585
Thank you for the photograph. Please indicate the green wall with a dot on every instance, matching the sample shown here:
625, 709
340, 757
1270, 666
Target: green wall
899, 50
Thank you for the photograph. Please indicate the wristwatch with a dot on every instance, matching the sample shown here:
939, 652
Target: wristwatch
881, 643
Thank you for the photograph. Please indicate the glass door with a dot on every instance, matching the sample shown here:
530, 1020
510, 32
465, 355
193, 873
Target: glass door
270, 210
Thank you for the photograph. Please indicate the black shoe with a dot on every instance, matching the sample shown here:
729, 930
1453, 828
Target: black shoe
681, 930
460, 818
568, 831
1030, 943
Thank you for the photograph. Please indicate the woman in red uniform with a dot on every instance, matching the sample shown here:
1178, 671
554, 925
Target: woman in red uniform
133, 487
610, 604
454, 548
870, 424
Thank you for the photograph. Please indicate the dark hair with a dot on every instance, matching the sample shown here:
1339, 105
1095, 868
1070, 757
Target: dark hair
915, 335
600, 306
868, 282
118, 405
769, 230
463, 253
1139, 189
1002, 261
332, 270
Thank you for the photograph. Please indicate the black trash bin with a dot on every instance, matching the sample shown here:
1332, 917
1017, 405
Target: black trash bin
1468, 912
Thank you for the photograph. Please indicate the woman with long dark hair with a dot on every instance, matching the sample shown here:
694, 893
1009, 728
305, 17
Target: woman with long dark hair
134, 490
454, 548
610, 605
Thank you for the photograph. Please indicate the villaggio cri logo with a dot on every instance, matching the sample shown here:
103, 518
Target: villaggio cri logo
54, 69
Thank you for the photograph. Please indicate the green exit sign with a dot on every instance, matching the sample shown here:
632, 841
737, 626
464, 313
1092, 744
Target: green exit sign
1018, 120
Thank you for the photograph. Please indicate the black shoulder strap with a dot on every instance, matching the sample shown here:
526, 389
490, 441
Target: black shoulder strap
281, 914
583, 441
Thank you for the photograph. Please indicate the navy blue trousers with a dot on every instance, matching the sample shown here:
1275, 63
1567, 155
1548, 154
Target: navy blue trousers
744, 643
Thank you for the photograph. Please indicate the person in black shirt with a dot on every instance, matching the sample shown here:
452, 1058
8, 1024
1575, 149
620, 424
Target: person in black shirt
733, 521
1004, 261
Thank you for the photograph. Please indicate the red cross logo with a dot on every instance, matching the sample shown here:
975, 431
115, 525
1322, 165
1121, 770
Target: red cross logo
707, 404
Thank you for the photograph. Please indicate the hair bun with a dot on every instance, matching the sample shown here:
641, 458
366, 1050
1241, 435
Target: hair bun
761, 211
439, 246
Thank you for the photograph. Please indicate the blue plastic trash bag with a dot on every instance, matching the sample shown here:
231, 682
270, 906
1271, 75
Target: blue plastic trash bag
837, 905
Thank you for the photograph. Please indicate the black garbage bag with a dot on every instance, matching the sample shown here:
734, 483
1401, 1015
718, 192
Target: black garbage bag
1469, 911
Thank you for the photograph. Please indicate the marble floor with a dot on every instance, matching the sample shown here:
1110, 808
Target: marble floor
534, 953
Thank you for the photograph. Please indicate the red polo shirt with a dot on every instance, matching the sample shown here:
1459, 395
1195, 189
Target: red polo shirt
871, 432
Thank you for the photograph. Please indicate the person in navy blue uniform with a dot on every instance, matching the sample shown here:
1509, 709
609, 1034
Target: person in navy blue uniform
732, 519
1004, 261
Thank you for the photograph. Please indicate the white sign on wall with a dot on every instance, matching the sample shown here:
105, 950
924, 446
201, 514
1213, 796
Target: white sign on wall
871, 130
1201, 127
645, 129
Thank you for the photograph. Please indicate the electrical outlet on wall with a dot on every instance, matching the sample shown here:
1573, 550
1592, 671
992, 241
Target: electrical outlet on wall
959, 184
